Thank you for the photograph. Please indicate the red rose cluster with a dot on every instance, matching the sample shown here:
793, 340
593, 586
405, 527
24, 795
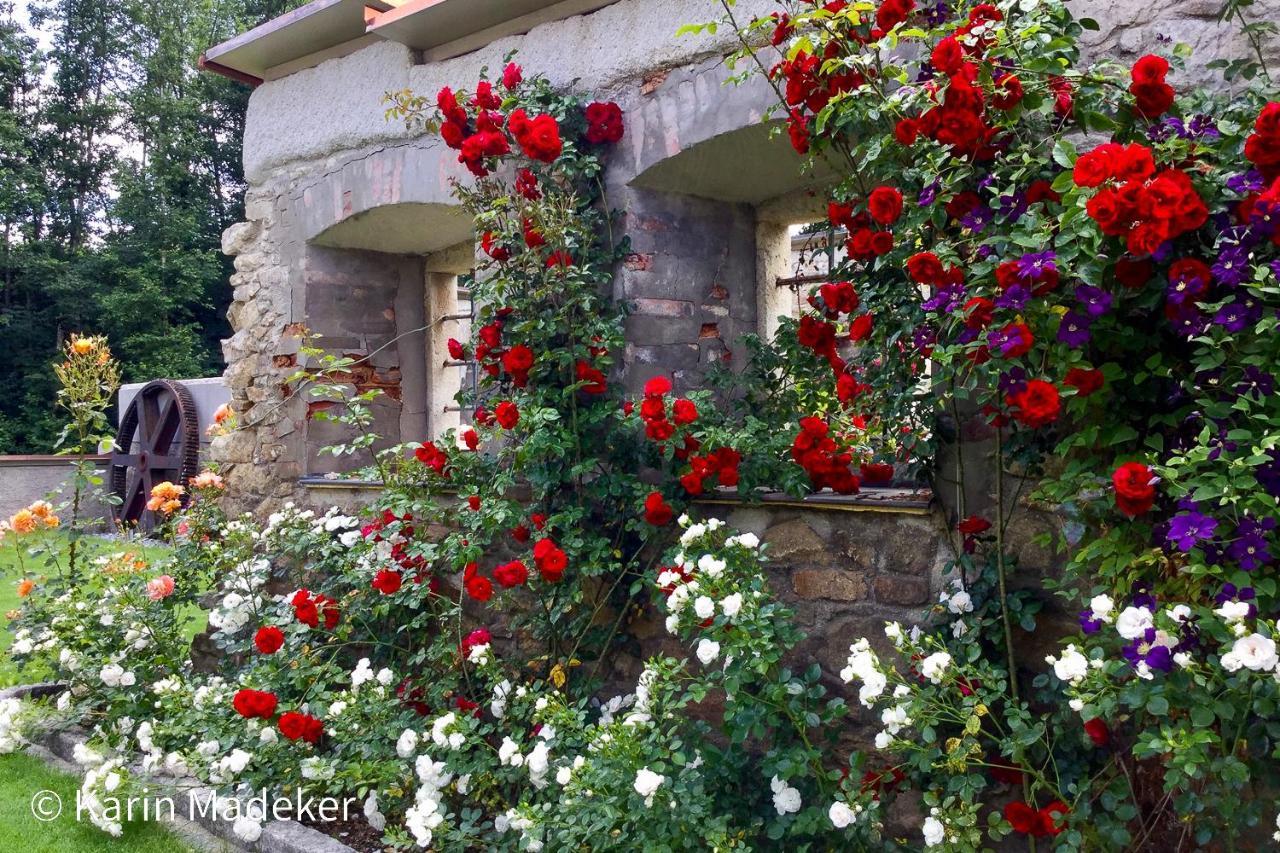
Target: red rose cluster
387, 581
822, 336
514, 573
433, 457
1145, 207
488, 133
866, 243
1039, 823
808, 90
653, 410
721, 464
550, 560
818, 454
1135, 488
1153, 95
298, 726
959, 121
604, 123
308, 609
477, 585
254, 703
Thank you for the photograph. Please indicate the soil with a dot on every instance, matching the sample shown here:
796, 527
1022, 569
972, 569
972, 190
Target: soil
356, 834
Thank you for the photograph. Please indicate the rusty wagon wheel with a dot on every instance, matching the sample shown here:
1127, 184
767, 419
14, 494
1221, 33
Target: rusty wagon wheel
158, 440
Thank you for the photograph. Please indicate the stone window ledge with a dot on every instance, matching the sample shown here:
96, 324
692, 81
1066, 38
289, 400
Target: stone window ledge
895, 499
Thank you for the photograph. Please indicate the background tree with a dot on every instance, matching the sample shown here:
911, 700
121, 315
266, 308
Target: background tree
119, 169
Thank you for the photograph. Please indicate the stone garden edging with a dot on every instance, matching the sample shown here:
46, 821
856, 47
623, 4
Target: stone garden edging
203, 833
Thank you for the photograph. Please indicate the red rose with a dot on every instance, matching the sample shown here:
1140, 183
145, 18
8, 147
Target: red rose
518, 361
881, 242
604, 123
1093, 168
550, 560
473, 501
684, 412
1085, 381
592, 376
514, 573
254, 703
692, 483
456, 350
906, 131
656, 510
860, 328
1135, 488
979, 312
305, 609
1098, 731
296, 726
885, 205
1042, 190
1021, 817
387, 581
507, 414
431, 456
893, 12
973, 525
520, 533
479, 587
1150, 69
947, 56
512, 75
269, 639
657, 386
1037, 404
539, 139
1153, 99
924, 268
1008, 92
471, 439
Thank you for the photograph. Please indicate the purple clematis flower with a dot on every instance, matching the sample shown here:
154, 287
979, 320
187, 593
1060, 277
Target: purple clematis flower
1190, 527
1251, 548
1015, 298
1095, 300
1074, 330
1150, 649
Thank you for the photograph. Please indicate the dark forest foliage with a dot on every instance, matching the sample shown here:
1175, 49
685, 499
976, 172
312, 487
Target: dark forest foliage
119, 169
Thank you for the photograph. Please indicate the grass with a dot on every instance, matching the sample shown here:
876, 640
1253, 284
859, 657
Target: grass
22, 776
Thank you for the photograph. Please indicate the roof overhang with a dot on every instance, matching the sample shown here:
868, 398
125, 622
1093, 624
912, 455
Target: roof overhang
466, 25
326, 28
316, 27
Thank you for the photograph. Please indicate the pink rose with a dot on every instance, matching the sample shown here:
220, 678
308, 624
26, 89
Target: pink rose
160, 588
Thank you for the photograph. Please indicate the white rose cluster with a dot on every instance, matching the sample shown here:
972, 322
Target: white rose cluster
863, 665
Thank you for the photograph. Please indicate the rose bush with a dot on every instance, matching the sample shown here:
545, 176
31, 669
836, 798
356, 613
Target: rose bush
1078, 263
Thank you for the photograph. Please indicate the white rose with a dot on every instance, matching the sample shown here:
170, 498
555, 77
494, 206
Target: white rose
704, 607
934, 832
708, 650
841, 815
934, 666
1133, 622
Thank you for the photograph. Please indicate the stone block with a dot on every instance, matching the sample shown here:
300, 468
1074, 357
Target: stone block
830, 584
902, 591
791, 538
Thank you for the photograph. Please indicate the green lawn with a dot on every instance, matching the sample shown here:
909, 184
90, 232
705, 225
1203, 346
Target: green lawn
22, 777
